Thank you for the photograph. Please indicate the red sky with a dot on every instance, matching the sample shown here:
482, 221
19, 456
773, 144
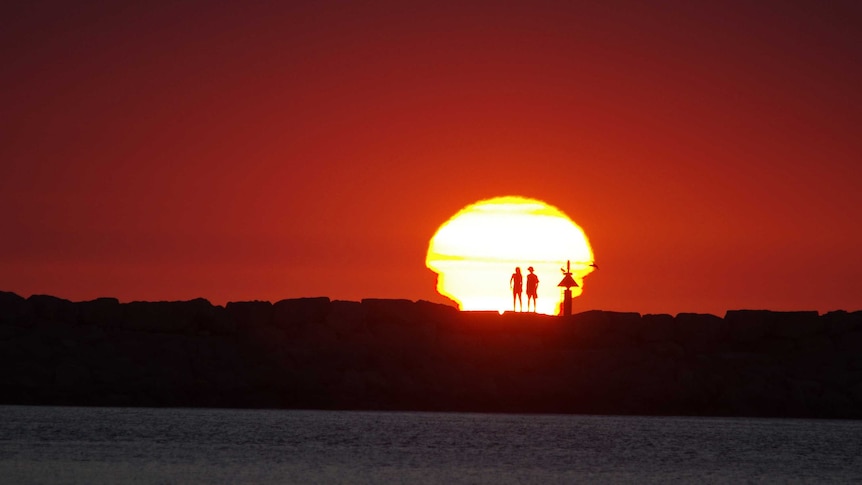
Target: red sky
712, 152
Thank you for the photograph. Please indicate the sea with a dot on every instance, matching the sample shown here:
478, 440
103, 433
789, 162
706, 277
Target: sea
71, 445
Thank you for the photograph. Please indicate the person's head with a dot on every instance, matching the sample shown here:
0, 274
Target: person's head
517, 270
530, 269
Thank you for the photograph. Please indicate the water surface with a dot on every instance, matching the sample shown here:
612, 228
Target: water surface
142, 445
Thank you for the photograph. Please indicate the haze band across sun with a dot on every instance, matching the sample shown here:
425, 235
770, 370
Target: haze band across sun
476, 250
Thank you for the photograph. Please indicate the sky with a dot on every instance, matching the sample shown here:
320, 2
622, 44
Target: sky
711, 151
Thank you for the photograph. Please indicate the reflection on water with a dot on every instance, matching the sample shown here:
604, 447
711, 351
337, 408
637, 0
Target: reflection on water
110, 445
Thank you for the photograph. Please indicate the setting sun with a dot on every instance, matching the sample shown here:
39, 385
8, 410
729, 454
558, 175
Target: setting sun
476, 251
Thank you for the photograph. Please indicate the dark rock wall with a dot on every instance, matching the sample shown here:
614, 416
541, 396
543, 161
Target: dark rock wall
399, 354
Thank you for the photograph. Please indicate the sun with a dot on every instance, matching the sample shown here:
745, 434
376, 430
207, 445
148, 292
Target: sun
476, 251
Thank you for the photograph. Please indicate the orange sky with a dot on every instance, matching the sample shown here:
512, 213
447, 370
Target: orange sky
712, 152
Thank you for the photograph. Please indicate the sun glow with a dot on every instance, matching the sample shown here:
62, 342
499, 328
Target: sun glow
476, 251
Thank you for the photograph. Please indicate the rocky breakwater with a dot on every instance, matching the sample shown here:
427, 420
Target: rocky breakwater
399, 354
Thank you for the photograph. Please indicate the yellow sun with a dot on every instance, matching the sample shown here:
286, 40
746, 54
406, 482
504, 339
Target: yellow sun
476, 251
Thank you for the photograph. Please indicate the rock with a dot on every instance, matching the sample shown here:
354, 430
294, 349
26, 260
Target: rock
667, 348
53, 309
596, 328
471, 324
778, 346
395, 324
805, 392
840, 322
699, 332
71, 376
795, 325
9, 331
249, 314
761, 397
749, 326
347, 320
31, 375
33, 345
427, 311
387, 309
182, 317
850, 342
834, 404
101, 311
656, 328
300, 312
14, 310
212, 320
817, 344
856, 393
397, 354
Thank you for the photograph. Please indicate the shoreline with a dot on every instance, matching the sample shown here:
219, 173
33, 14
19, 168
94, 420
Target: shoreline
400, 355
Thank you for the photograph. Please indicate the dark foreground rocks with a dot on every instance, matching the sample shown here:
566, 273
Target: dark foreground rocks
399, 354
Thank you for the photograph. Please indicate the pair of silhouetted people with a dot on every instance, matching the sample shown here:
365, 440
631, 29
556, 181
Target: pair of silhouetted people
516, 284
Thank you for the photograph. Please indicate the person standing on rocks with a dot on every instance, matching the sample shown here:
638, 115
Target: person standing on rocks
532, 288
516, 284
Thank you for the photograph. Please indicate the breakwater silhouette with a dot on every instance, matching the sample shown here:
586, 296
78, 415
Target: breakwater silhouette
404, 355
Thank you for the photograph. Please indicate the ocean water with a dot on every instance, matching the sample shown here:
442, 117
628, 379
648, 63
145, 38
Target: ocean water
159, 446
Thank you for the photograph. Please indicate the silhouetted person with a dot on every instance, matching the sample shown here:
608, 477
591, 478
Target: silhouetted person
516, 284
532, 288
